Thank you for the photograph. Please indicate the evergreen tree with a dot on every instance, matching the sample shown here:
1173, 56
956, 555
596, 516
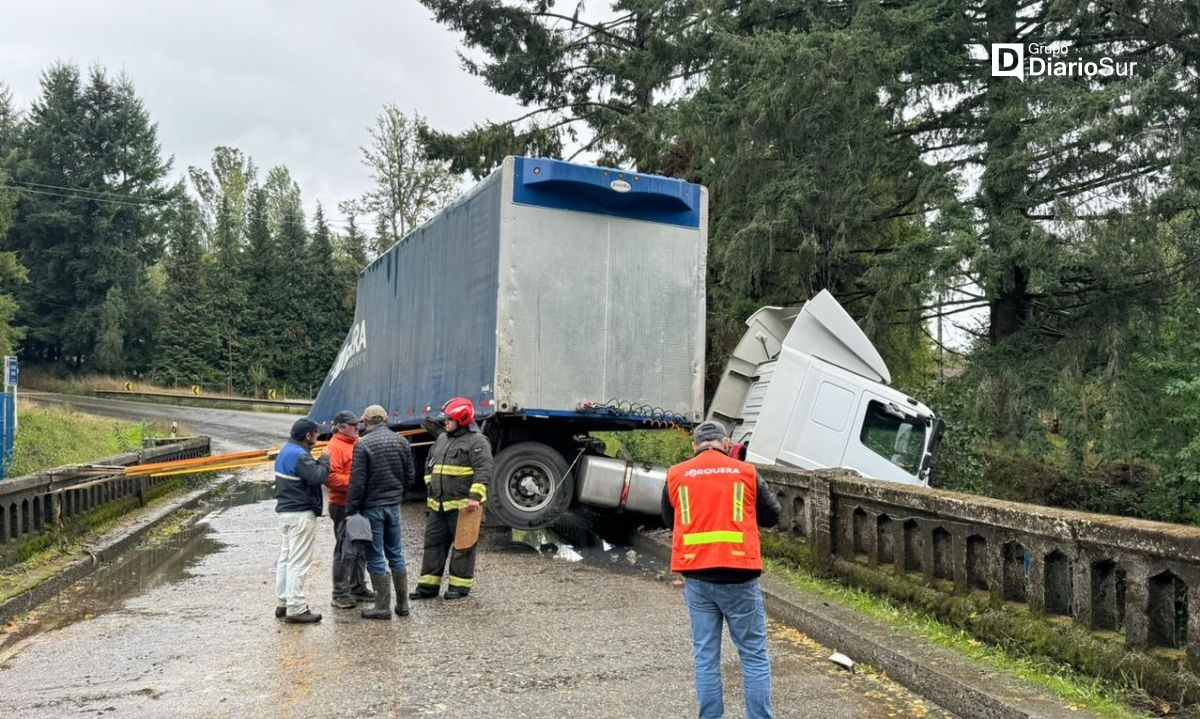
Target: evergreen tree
811, 186
228, 300
327, 323
353, 245
602, 84
12, 273
260, 332
189, 350
294, 323
86, 144
110, 337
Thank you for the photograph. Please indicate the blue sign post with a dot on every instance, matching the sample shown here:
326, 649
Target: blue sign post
8, 412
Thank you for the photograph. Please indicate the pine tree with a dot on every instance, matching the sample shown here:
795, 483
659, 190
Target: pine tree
328, 324
190, 344
92, 141
225, 283
260, 332
295, 325
601, 84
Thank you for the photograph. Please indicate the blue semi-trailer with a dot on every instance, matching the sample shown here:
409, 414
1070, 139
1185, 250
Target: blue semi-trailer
562, 299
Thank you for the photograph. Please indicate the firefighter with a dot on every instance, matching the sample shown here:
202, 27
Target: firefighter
456, 479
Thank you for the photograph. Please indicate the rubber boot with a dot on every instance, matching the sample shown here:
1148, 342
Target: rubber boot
422, 593
383, 598
400, 585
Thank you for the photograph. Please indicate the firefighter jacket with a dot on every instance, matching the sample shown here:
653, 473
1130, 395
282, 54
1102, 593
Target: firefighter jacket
341, 452
716, 501
458, 469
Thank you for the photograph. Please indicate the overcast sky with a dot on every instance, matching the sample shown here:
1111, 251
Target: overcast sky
292, 82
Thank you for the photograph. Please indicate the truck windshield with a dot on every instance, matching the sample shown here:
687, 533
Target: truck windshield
896, 437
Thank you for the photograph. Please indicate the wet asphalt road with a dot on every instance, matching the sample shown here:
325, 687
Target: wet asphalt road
187, 630
231, 430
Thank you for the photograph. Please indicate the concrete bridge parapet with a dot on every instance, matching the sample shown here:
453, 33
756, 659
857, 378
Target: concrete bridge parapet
1134, 577
31, 504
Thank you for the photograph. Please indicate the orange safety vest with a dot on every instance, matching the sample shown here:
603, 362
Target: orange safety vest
716, 525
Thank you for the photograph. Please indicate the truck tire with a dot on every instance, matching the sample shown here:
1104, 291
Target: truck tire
530, 486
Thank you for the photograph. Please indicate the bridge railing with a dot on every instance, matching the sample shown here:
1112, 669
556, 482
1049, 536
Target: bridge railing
1131, 576
30, 504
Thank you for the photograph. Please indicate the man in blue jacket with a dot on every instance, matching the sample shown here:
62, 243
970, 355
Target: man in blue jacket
298, 501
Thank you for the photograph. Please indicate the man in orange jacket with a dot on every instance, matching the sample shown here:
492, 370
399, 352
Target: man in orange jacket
715, 505
349, 584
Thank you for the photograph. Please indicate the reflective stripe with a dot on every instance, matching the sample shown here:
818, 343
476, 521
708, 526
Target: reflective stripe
447, 506
685, 509
430, 580
481, 489
717, 537
460, 582
281, 475
739, 501
453, 470
428, 479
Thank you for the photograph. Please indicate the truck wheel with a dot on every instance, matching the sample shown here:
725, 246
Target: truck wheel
530, 486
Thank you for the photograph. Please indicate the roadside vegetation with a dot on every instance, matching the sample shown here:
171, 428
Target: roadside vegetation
660, 448
53, 436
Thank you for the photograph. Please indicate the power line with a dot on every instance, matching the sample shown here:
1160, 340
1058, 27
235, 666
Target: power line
71, 193
70, 196
127, 196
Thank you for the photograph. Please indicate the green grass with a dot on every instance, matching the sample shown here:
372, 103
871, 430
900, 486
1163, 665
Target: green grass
53, 436
1076, 690
659, 447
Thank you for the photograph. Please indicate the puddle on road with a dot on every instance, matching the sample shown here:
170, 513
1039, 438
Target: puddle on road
151, 565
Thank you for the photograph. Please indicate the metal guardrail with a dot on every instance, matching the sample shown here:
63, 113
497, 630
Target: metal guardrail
301, 404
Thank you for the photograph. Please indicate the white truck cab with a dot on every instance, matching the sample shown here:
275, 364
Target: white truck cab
805, 388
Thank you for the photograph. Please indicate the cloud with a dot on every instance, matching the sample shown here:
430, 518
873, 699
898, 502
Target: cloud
294, 83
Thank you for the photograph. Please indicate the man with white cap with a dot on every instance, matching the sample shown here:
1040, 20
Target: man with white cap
715, 505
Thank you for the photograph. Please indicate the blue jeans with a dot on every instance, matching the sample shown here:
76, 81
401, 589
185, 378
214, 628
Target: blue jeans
741, 606
385, 539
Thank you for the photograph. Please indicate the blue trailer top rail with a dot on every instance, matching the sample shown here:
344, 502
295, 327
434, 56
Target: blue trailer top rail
619, 193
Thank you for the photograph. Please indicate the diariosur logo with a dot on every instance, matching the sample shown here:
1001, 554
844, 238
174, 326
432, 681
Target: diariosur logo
355, 344
1014, 59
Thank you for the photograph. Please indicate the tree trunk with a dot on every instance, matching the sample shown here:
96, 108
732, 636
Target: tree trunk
1012, 309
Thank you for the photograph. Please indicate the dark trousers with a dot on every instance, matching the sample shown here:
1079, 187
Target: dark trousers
349, 576
439, 541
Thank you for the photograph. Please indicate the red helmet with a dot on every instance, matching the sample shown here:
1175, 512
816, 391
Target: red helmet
461, 410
